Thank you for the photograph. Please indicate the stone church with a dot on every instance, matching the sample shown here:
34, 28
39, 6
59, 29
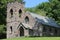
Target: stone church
21, 23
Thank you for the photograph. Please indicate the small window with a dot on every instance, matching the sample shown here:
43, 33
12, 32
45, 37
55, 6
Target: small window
20, 11
31, 32
26, 19
44, 29
11, 11
56, 31
50, 29
11, 29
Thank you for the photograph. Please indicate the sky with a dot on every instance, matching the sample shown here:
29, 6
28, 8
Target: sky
33, 3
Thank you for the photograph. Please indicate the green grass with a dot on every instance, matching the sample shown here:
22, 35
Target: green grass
34, 38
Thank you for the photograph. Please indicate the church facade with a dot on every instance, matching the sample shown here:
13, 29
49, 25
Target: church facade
21, 23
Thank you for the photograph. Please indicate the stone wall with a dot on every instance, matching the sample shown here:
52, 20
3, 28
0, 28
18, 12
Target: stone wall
51, 31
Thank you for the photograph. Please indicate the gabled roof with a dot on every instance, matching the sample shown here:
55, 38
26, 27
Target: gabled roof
24, 25
44, 20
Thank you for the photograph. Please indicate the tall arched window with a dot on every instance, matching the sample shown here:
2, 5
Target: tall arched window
26, 19
11, 29
11, 11
20, 11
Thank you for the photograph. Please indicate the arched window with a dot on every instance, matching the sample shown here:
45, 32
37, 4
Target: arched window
11, 11
20, 11
11, 28
26, 19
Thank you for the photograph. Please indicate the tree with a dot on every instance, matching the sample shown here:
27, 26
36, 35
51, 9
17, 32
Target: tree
2, 31
51, 8
55, 5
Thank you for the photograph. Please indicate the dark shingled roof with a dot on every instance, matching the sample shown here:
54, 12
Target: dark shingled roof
44, 20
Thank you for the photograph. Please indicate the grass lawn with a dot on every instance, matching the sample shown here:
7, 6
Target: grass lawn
34, 38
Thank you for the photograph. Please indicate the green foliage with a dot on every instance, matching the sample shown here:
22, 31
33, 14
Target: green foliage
50, 9
38, 11
2, 29
55, 6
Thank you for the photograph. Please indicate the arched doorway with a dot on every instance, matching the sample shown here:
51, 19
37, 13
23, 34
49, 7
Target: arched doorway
21, 31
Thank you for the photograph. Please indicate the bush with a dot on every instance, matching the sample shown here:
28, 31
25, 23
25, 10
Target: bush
2, 31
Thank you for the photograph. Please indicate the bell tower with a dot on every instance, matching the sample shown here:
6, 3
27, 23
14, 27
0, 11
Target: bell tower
14, 12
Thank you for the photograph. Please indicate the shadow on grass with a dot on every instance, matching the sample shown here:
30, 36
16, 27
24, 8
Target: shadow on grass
43, 36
